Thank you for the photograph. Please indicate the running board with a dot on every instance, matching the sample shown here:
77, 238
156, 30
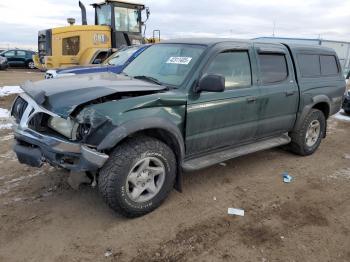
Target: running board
221, 156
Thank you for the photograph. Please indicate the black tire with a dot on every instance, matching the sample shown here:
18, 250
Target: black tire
30, 65
113, 175
347, 112
298, 144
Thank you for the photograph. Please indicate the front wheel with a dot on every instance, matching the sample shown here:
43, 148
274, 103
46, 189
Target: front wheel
138, 176
308, 138
347, 112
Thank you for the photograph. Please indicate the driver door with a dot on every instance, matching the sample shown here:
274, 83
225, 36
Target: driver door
221, 119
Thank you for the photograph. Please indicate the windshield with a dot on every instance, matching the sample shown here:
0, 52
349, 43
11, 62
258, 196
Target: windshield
167, 63
120, 57
103, 13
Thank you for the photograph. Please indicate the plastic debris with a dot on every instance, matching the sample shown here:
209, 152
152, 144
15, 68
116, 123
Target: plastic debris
222, 164
108, 253
235, 211
287, 178
214, 198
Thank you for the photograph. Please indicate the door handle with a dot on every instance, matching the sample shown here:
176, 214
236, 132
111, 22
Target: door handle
290, 93
251, 99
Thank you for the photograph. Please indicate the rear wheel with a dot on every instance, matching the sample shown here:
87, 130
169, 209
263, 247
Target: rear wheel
347, 112
308, 138
31, 65
138, 176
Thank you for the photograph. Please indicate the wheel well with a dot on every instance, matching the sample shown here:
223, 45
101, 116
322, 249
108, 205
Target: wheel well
323, 107
166, 137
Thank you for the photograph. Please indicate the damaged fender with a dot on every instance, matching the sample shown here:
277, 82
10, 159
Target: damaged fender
129, 128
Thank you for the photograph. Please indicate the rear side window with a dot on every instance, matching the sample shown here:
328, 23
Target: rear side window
309, 65
273, 68
328, 65
21, 53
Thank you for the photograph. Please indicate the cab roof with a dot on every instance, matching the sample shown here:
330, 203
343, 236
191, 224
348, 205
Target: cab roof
203, 41
213, 41
130, 2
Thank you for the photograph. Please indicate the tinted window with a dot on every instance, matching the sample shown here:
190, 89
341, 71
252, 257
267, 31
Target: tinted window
328, 65
273, 68
9, 54
309, 65
21, 53
234, 66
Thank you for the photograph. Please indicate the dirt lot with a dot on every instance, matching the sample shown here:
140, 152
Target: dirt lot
42, 219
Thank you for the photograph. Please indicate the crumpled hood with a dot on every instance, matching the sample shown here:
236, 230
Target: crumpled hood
63, 95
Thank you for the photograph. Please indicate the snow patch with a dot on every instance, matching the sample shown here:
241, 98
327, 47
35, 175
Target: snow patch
6, 126
4, 119
4, 113
342, 116
9, 90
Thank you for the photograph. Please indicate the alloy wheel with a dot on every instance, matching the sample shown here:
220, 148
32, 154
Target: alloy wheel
145, 179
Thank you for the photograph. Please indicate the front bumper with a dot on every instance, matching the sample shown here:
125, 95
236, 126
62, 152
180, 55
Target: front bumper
34, 148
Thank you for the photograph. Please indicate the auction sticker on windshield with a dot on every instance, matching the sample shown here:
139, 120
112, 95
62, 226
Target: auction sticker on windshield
181, 60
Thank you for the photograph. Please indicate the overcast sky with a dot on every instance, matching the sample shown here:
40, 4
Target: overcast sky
20, 20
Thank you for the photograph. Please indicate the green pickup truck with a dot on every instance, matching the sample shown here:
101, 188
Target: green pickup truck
182, 105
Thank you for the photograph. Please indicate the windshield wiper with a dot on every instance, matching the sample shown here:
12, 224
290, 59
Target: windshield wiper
149, 79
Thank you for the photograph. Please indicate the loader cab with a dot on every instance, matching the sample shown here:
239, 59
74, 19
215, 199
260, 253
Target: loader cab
125, 20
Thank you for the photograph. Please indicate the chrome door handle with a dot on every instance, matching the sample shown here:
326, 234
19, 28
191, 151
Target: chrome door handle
251, 99
290, 93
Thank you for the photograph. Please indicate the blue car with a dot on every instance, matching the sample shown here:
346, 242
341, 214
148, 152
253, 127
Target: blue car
115, 63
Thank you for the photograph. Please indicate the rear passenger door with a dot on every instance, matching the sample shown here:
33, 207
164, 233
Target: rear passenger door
20, 57
220, 119
279, 96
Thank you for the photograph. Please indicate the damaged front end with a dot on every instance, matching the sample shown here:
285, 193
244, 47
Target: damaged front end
36, 142
60, 126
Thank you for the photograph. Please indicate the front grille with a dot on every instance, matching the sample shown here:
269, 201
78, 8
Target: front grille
18, 108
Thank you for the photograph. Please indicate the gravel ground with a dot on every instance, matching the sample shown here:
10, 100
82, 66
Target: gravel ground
43, 219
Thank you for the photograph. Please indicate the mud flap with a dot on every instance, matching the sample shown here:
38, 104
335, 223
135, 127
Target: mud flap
179, 181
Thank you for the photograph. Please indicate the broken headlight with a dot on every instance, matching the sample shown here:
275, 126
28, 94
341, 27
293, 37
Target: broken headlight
66, 127
83, 130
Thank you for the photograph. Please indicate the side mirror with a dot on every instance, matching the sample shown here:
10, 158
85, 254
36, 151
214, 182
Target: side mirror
211, 83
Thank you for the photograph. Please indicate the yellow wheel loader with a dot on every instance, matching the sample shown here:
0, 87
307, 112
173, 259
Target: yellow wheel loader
117, 24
